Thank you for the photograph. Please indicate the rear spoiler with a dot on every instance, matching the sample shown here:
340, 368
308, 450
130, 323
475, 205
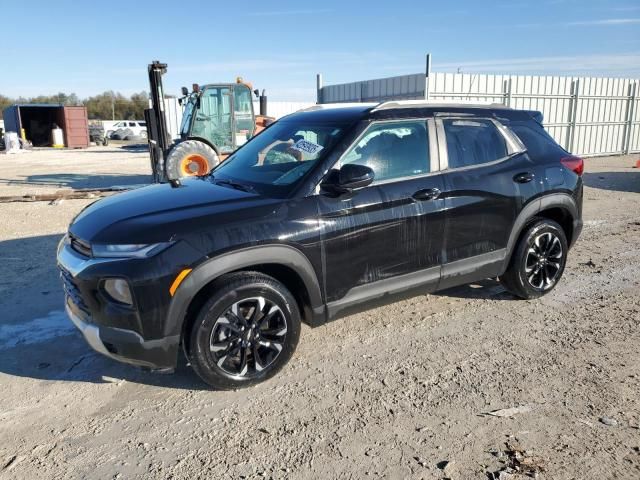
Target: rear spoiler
536, 115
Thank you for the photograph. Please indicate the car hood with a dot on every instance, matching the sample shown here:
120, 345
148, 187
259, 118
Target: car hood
159, 213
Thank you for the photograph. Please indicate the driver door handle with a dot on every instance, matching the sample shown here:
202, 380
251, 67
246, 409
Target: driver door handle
427, 194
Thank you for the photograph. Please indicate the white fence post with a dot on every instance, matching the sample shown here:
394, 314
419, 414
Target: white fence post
631, 103
575, 98
319, 88
427, 76
506, 92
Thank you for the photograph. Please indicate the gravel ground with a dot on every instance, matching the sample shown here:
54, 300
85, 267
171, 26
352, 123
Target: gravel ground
402, 391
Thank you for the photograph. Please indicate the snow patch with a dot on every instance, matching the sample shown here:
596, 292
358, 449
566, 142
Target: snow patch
594, 223
38, 330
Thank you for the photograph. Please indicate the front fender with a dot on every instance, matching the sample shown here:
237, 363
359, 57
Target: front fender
215, 267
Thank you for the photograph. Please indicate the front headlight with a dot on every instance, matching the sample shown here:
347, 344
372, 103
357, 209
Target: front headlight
128, 251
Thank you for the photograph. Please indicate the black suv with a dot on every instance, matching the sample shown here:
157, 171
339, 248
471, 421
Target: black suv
328, 211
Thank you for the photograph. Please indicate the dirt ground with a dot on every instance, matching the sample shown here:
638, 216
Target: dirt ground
396, 392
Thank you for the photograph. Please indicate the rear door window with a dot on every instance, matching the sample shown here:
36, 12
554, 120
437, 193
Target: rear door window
473, 142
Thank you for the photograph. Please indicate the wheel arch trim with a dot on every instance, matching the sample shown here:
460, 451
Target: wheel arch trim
213, 268
554, 200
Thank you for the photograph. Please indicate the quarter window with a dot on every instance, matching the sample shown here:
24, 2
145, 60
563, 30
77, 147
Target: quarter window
473, 142
392, 149
537, 140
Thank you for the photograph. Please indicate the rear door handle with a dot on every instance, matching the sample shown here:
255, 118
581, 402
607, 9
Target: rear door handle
524, 177
427, 194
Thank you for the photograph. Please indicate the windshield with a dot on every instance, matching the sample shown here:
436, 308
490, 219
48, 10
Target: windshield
273, 161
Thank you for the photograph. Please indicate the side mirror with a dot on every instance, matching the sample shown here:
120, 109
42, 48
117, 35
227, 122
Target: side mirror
349, 177
185, 91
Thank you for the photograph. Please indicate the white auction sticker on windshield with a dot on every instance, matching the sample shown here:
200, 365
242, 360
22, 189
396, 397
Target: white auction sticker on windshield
305, 146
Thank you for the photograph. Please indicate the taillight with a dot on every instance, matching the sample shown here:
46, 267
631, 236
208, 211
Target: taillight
575, 164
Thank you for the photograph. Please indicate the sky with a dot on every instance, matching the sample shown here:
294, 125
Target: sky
88, 47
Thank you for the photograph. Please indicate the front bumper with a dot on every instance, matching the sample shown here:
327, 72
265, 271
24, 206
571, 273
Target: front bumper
131, 335
91, 333
125, 345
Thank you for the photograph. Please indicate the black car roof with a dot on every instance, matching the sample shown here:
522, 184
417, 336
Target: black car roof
346, 113
349, 113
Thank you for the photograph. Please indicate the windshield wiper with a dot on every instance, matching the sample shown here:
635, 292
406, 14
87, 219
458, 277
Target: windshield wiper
236, 185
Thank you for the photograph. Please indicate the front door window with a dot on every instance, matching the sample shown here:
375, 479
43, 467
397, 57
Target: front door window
393, 150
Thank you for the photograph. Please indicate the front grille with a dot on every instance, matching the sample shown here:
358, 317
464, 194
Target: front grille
72, 291
80, 246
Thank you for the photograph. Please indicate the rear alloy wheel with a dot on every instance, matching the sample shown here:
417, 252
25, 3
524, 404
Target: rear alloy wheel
543, 261
538, 260
245, 333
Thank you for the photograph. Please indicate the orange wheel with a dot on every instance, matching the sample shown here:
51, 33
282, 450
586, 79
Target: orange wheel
189, 158
194, 164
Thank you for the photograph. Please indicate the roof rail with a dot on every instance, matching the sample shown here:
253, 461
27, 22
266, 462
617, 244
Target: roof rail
392, 104
323, 106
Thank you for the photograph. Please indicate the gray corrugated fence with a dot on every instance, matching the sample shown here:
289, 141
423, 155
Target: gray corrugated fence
586, 115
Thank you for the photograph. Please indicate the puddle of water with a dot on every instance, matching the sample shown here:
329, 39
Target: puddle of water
38, 330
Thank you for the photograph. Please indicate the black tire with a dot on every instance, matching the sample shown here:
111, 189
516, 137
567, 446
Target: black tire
105, 141
221, 345
538, 261
204, 158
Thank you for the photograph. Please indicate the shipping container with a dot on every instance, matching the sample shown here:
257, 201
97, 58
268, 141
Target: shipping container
76, 127
38, 120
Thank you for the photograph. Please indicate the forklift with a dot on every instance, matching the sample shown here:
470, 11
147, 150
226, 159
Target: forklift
217, 119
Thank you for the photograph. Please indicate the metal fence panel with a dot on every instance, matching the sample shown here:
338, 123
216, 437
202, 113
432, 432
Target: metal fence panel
586, 115
404, 87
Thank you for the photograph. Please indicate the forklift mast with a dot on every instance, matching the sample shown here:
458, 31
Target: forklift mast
157, 132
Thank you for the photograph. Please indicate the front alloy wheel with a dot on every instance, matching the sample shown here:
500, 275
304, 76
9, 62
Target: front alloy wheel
245, 333
248, 336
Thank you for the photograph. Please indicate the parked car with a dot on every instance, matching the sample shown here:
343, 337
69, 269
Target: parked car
328, 211
127, 128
